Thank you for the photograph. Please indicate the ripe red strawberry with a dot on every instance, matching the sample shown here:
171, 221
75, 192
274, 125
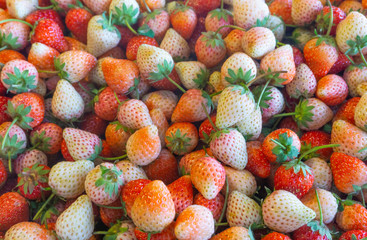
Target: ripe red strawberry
202, 7
210, 49
8, 55
181, 138
93, 124
182, 193
215, 205
206, 127
315, 139
45, 14
359, 234
183, 20
158, 21
65, 152
134, 44
346, 110
130, 192
275, 236
298, 56
14, 209
3, 174
257, 163
76, 21
347, 171
305, 232
106, 104
164, 168
4, 117
323, 19
116, 137
109, 216
283, 9
353, 217
341, 64
33, 181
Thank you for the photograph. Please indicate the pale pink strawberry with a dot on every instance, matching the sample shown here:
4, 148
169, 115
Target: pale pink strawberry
208, 176
304, 12
77, 64
284, 212
276, 104
144, 146
320, 114
160, 121
195, 222
328, 202
281, 59
67, 104
247, 12
82, 145
19, 31
350, 138
21, 8
27, 230
134, 114
190, 107
234, 104
238, 62
175, 45
210, 49
353, 77
242, 210
193, 74
131, 171
158, 21
67, 178
229, 147
323, 176
360, 113
77, 220
233, 41
240, 180
98, 7
258, 41
218, 18
349, 29
104, 183
304, 83
163, 99
28, 159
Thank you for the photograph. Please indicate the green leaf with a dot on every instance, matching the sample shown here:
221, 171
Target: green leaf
303, 113
321, 228
97, 151
20, 82
59, 66
202, 78
146, 31
164, 70
125, 15
220, 14
239, 76
265, 97
213, 40
8, 41
284, 150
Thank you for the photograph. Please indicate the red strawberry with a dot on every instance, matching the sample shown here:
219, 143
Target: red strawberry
359, 234
341, 64
47, 137
188, 160
206, 127
158, 21
65, 152
183, 20
315, 139
93, 124
181, 138
116, 137
323, 19
257, 163
109, 216
210, 49
275, 236
106, 104
14, 209
346, 110
134, 44
4, 117
298, 56
202, 7
353, 217
306, 233
166, 234
182, 193
283, 9
215, 205
130, 192
45, 14
3, 174
76, 21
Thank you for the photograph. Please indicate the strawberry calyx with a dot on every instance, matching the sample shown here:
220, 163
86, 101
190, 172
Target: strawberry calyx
359, 190
240, 77
126, 16
134, 88
220, 14
40, 141
10, 147
31, 177
177, 142
110, 180
79, 5
7, 41
113, 232
19, 115
202, 78
151, 15
298, 166
108, 23
305, 147
59, 66
213, 39
261, 95
355, 47
54, 5
284, 149
20, 82
302, 113
164, 70
179, 7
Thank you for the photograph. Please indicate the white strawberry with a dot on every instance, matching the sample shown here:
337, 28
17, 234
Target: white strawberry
193, 74
131, 171
134, 114
284, 212
247, 12
323, 176
258, 41
240, 180
251, 125
175, 45
360, 113
304, 12
353, 77
21, 8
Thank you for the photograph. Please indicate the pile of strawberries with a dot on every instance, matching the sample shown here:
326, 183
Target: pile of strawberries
193, 120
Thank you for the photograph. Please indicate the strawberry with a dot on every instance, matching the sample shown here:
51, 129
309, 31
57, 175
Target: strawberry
134, 44
182, 193
353, 217
37, 15
202, 7
77, 22
247, 12
131, 171
208, 176
21, 9
116, 137
42, 57
229, 147
359, 234
134, 114
232, 233
284, 212
181, 138
101, 35
190, 107
19, 76
109, 216
183, 20
210, 49
97, 7
258, 41
28, 230
322, 20
92, 144
360, 115
236, 181
274, 105
307, 232
251, 125
355, 76
7, 56
218, 18
315, 139
152, 4
130, 191
167, 233
14, 209
281, 59
215, 205
175, 45
283, 9
153, 209
276, 236
67, 178
341, 64
305, 12
93, 124
163, 99
233, 41
362, 88
188, 160
77, 220
349, 6
347, 172
242, 210
286, 137
350, 138
288, 122
67, 110
3, 174
322, 173
195, 222
206, 127
96, 74
160, 121
144, 146
65, 152
298, 56
120, 74
164, 168
158, 21
32, 182
347, 31
257, 163
304, 83
74, 44
28, 159
103, 184
106, 104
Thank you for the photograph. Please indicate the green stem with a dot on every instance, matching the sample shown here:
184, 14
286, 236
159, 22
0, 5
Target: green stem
363, 149
43, 206
149, 236
101, 233
320, 209
350, 59
264, 75
17, 20
262, 93
276, 124
186, 3
221, 5
331, 19
280, 44
209, 118
47, 7
85, 90
363, 200
7, 132
109, 207
113, 158
224, 206
46, 71
35, 146
146, 6
285, 114
215, 94
279, 144
362, 56
292, 26
3, 48
9, 162
117, 99
174, 83
130, 28
221, 224
316, 149
229, 26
